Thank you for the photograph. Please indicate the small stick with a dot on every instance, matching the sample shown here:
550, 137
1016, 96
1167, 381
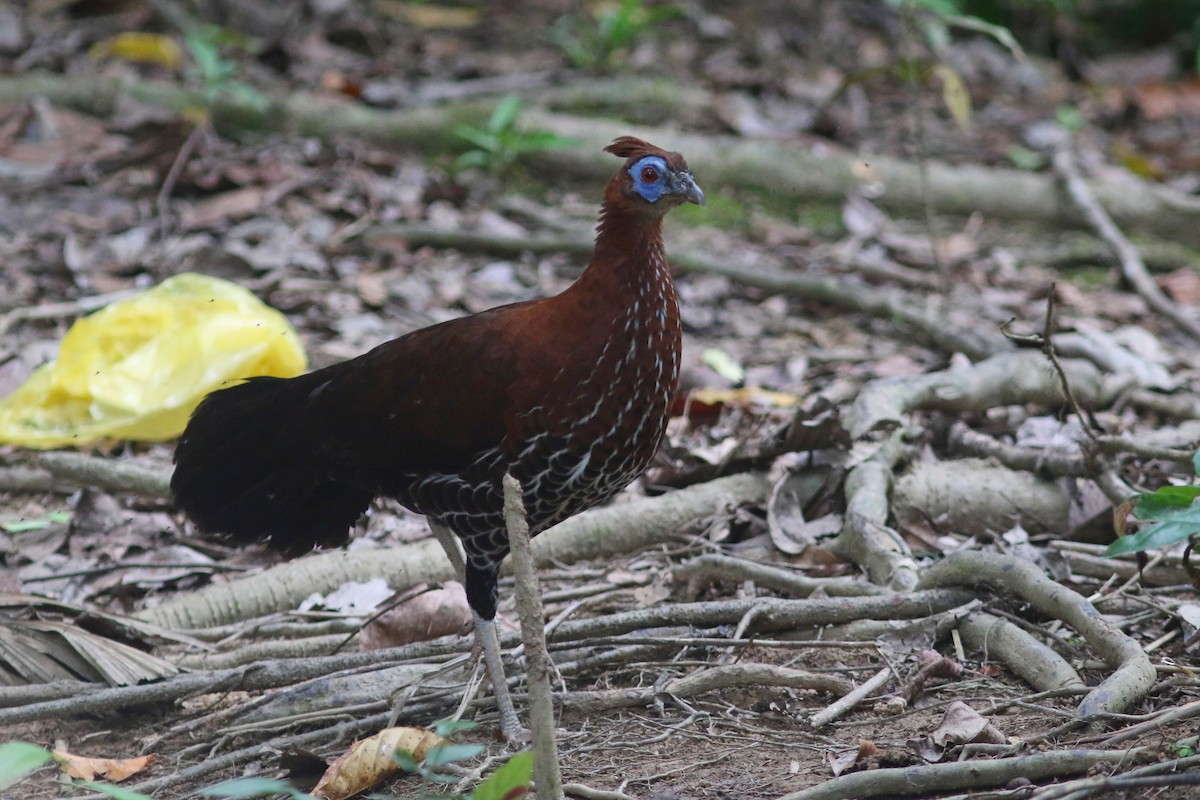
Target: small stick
851, 699
105, 473
546, 773
1045, 342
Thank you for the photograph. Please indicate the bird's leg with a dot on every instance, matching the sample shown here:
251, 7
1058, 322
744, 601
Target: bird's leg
488, 641
453, 547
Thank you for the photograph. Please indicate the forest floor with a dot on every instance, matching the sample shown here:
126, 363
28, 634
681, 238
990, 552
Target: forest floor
869, 479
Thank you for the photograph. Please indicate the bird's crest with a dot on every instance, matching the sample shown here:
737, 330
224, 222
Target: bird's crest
631, 147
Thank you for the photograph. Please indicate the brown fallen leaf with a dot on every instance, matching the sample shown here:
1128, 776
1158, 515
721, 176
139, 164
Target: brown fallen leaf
962, 724
369, 761
432, 613
113, 769
840, 763
1183, 285
232, 205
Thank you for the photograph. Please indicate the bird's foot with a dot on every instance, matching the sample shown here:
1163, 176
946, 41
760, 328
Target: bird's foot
515, 734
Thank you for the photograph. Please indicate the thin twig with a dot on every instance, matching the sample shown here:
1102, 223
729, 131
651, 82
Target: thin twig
546, 770
162, 203
851, 699
1045, 342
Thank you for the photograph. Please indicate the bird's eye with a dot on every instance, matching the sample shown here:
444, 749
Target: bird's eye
649, 174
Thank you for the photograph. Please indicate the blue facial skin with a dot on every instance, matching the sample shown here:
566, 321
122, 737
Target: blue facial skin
650, 191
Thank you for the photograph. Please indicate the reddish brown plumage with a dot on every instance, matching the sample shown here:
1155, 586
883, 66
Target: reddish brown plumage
570, 393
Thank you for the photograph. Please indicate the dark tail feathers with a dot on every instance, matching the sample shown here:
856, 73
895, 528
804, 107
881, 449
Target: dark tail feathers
247, 466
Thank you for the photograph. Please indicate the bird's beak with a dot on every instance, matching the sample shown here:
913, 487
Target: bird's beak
684, 185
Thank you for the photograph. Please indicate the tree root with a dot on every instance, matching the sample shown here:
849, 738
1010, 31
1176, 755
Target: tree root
973, 496
621, 528
866, 538
1029, 659
711, 568
1133, 675
1005, 379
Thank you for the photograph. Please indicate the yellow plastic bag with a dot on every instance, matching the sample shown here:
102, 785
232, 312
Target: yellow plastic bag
137, 368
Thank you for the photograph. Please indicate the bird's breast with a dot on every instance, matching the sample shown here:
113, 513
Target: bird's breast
603, 419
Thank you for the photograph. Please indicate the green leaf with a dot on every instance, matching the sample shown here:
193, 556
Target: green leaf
1196, 463
253, 787
1001, 34
471, 159
449, 753
204, 52
510, 781
1070, 117
115, 792
1160, 534
247, 94
1168, 502
405, 760
17, 759
482, 139
1024, 158
505, 113
446, 728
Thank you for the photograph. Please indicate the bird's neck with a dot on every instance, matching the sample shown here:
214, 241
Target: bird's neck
629, 252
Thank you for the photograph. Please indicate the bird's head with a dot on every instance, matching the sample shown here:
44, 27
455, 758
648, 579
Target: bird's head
653, 178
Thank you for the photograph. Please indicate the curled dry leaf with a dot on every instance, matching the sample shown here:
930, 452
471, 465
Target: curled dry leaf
790, 531
840, 763
962, 724
369, 761
113, 769
432, 613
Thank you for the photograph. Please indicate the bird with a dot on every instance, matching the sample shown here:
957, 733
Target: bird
568, 393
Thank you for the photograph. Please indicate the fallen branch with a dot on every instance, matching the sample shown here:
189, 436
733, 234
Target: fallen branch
851, 699
106, 473
752, 676
1133, 269
772, 614
926, 780
783, 169
1089, 559
1135, 783
69, 308
258, 676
